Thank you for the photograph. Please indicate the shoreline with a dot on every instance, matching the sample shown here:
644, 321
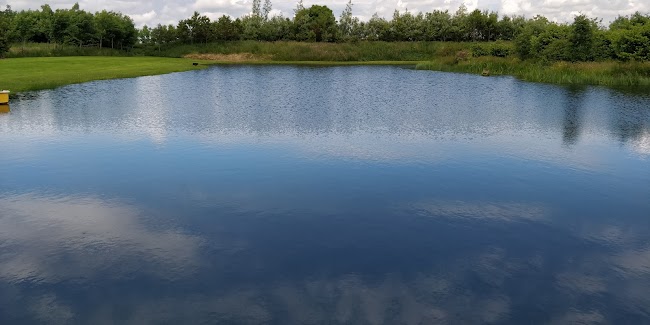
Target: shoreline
40, 73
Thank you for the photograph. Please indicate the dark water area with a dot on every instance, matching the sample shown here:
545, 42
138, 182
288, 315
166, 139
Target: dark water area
341, 195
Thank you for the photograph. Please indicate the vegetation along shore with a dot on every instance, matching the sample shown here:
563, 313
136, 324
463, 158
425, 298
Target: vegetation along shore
584, 51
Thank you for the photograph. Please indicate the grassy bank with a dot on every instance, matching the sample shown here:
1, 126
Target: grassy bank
441, 56
613, 74
47, 50
25, 74
333, 52
20, 74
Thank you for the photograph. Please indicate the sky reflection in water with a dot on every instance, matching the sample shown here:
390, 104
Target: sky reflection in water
339, 195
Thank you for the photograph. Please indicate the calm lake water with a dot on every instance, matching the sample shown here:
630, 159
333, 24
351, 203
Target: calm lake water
341, 195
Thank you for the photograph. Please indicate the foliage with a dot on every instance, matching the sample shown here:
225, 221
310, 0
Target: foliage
582, 38
626, 39
315, 24
6, 17
348, 25
498, 49
115, 29
69, 27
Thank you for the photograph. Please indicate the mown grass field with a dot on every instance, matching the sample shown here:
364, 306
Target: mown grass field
23, 74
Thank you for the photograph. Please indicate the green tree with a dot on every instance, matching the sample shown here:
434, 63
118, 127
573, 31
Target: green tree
406, 27
107, 27
144, 35
4, 46
437, 25
116, 28
459, 29
348, 25
81, 29
202, 28
552, 44
315, 24
43, 31
60, 23
128, 33
525, 38
6, 17
194, 29
582, 38
251, 26
631, 44
257, 8
277, 28
377, 29
509, 27
225, 29
266, 9
628, 38
625, 22
476, 25
24, 26
163, 35
299, 6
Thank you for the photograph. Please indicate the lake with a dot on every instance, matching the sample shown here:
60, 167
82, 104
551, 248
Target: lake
337, 195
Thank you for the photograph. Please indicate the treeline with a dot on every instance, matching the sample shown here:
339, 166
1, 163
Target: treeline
319, 24
626, 38
585, 39
67, 26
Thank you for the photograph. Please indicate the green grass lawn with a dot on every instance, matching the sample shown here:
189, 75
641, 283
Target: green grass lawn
24, 74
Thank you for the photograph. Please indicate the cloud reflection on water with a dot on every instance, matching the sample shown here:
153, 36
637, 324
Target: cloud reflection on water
642, 144
47, 239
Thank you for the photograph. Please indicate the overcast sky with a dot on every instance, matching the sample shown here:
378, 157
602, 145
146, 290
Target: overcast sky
152, 12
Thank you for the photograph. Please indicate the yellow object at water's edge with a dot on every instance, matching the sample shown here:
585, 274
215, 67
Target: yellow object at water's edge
4, 97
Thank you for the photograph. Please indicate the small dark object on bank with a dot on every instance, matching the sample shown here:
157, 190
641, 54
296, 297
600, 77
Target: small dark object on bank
195, 63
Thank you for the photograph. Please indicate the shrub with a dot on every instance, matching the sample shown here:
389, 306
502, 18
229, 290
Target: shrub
479, 50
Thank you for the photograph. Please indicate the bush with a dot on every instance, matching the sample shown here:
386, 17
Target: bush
479, 50
500, 50
4, 47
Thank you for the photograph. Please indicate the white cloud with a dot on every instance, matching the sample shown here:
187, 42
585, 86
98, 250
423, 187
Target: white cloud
144, 18
558, 10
